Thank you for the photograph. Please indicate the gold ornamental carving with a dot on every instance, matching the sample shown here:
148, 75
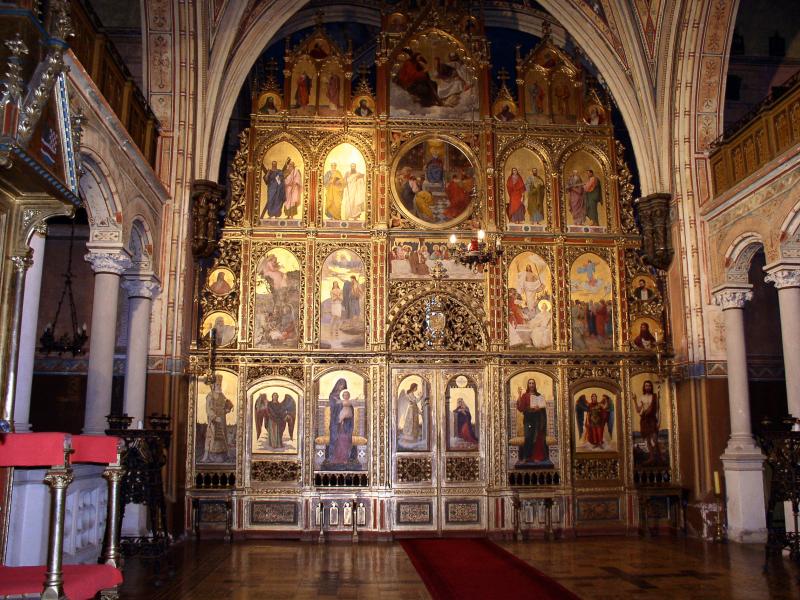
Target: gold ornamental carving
462, 468
414, 470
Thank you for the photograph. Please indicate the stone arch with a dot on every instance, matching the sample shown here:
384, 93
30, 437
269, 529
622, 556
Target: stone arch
232, 60
789, 234
739, 255
140, 245
100, 199
438, 320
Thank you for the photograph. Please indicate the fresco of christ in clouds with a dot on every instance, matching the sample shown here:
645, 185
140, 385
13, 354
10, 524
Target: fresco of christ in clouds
591, 304
530, 302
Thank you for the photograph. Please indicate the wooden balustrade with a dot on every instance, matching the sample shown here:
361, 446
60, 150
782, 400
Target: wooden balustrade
107, 69
762, 135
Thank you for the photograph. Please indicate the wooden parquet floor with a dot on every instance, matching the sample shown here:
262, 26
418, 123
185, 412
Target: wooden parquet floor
594, 568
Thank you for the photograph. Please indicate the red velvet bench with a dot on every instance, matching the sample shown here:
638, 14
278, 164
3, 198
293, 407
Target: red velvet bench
58, 452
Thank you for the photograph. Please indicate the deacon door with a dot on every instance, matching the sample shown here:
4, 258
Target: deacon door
439, 431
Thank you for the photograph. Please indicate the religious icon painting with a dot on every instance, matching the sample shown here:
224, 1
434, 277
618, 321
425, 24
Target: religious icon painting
643, 288
594, 419
215, 419
416, 258
344, 187
525, 192
219, 326
363, 106
431, 78
537, 97
276, 310
413, 404
396, 22
650, 420
434, 182
591, 304
341, 442
594, 114
646, 333
585, 200
462, 409
331, 91
281, 186
343, 295
533, 421
504, 110
276, 412
269, 103
221, 281
303, 99
563, 95
530, 303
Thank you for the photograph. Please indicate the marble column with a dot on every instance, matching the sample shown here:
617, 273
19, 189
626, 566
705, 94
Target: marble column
743, 460
141, 291
28, 338
108, 266
786, 277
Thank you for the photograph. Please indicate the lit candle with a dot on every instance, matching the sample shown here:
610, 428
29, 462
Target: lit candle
716, 483
497, 242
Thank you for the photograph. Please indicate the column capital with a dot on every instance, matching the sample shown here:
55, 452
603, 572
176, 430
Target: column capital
138, 287
732, 295
22, 262
109, 261
783, 274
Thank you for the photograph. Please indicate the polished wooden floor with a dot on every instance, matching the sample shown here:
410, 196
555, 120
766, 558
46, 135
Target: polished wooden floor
594, 568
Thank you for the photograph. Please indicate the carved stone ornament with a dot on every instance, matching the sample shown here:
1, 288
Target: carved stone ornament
461, 468
732, 296
109, 262
208, 199
654, 217
141, 288
783, 276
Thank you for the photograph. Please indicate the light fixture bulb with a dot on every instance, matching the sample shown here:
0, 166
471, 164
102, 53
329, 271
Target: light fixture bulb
453, 238
481, 235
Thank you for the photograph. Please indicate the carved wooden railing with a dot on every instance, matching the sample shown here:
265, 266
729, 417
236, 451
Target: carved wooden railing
107, 69
766, 132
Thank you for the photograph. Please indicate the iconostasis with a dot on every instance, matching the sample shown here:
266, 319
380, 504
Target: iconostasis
359, 373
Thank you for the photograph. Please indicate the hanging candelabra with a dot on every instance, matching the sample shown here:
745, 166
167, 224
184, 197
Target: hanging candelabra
70, 341
477, 253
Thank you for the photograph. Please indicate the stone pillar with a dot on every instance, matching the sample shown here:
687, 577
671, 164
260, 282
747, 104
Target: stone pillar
743, 460
786, 277
140, 294
108, 266
28, 339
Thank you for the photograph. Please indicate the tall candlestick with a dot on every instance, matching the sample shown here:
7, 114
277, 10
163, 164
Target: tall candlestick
716, 483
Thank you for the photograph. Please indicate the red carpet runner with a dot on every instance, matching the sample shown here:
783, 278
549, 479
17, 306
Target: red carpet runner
467, 569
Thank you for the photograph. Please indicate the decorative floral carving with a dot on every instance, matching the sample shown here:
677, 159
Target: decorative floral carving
238, 179
275, 470
414, 470
592, 469
437, 322
461, 468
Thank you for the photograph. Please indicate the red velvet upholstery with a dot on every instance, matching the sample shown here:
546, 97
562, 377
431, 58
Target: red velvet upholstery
31, 449
94, 449
81, 582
